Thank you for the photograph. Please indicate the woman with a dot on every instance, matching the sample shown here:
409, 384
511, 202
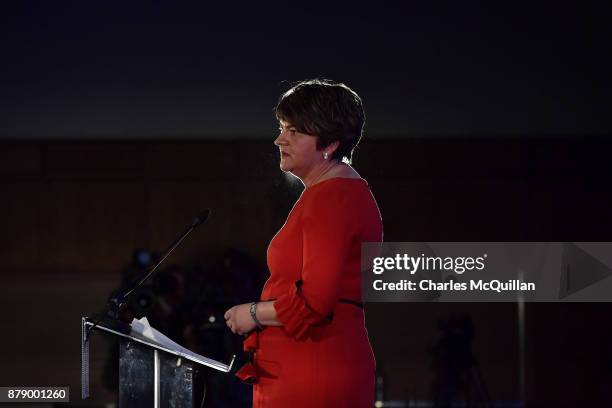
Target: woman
307, 340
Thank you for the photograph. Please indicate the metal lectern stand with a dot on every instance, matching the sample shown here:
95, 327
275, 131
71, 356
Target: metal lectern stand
150, 374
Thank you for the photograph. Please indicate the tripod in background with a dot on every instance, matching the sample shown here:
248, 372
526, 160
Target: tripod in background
458, 381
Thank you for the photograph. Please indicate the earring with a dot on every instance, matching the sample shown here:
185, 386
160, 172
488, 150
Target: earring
325, 155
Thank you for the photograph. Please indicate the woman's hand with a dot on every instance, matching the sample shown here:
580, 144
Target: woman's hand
239, 320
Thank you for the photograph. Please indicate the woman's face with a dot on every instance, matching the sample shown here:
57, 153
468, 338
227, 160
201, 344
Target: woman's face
298, 151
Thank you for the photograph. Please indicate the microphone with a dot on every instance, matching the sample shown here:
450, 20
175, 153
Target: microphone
201, 218
118, 302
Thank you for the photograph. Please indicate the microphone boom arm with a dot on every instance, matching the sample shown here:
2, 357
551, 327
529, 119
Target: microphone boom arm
118, 302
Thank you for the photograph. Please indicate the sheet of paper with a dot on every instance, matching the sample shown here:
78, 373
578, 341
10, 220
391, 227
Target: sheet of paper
142, 327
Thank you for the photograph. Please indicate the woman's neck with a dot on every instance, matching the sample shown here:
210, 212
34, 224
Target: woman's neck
329, 170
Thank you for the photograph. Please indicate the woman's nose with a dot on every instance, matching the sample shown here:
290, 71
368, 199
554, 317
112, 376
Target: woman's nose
281, 140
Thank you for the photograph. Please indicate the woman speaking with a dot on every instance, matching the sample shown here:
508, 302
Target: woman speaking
307, 338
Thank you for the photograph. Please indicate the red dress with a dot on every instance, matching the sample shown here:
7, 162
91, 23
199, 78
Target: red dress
321, 356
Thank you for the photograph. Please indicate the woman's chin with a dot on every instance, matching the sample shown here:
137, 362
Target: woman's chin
284, 166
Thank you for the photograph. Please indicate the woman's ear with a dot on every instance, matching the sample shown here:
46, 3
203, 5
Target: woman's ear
332, 148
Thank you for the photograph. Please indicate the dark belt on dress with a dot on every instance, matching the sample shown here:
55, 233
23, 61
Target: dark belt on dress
350, 302
298, 284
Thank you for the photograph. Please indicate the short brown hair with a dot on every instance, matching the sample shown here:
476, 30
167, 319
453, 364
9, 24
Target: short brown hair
330, 110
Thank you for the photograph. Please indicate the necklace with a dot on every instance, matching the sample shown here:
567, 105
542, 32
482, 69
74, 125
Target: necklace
316, 180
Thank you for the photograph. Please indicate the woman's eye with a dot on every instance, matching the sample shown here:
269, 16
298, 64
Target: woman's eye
292, 131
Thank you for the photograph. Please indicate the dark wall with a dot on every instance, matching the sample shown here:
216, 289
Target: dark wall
73, 212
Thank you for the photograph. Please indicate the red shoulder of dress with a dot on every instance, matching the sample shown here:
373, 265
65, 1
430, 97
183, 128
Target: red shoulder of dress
339, 184
334, 194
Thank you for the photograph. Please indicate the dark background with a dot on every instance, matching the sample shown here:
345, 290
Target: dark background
119, 123
123, 70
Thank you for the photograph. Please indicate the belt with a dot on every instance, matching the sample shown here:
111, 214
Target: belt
347, 301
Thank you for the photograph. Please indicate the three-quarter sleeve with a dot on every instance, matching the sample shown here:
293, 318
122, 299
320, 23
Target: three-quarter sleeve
327, 233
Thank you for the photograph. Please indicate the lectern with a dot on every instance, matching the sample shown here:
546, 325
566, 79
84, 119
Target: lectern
152, 374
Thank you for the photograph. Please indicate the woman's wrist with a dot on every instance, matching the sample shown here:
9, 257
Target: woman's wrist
253, 311
266, 314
